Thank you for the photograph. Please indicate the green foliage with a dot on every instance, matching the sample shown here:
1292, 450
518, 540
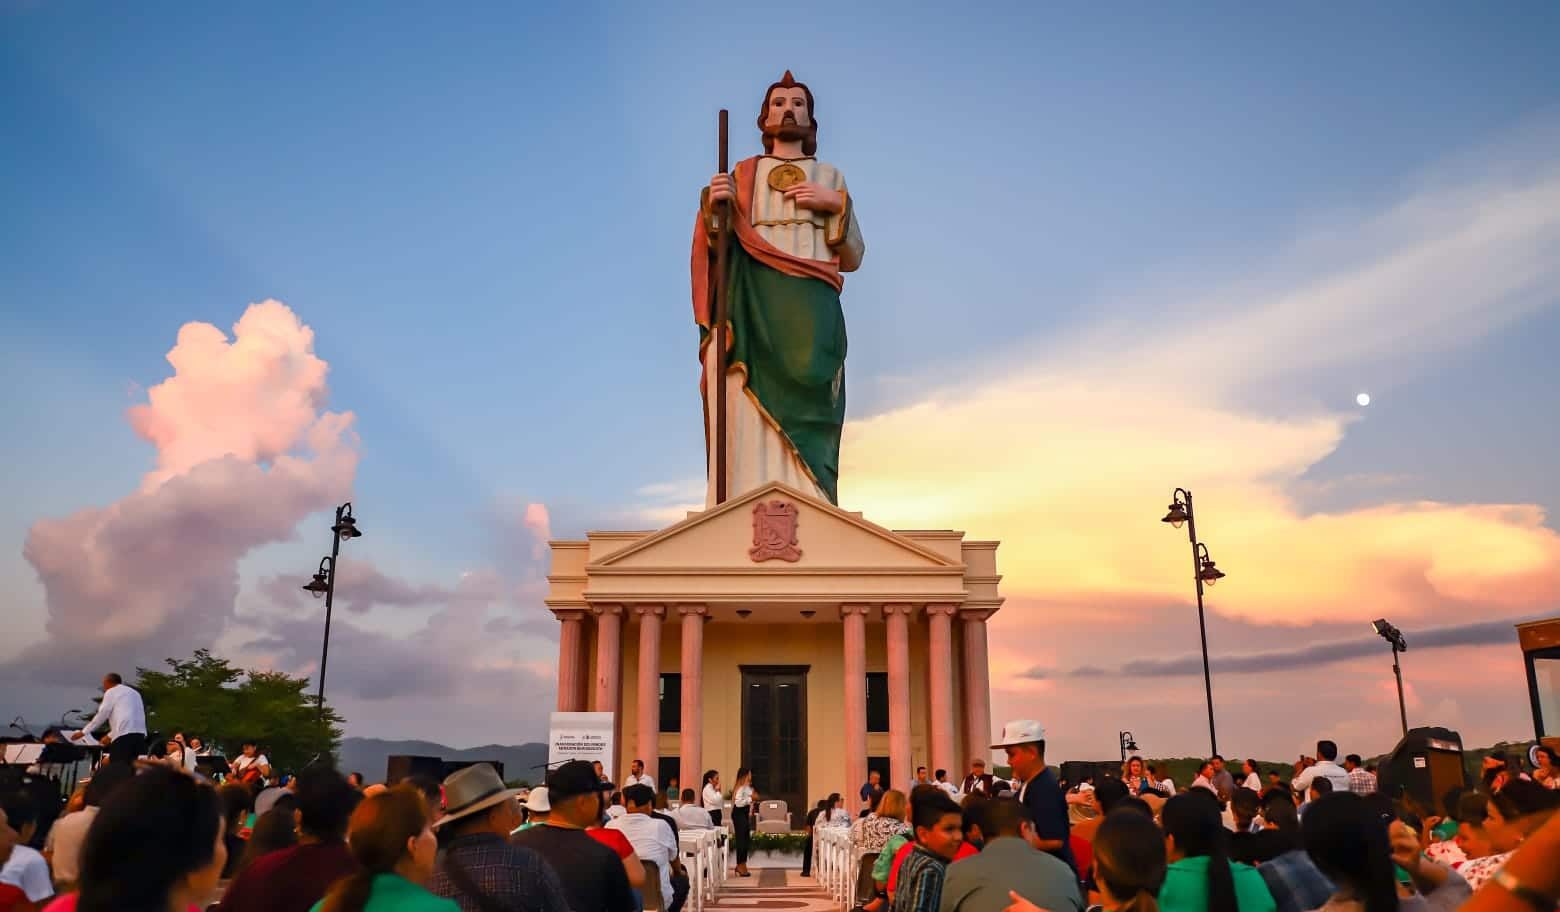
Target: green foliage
223, 705
780, 843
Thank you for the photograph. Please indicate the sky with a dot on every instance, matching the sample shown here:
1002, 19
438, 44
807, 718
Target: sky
258, 262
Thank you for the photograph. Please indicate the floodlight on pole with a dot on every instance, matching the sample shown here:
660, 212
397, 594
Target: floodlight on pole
1394, 636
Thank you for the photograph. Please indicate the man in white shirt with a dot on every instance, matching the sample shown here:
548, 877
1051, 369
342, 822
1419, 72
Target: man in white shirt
638, 776
125, 715
26, 869
690, 816
1327, 766
945, 785
652, 839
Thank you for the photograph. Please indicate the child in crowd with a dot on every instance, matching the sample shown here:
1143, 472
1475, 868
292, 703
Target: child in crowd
939, 831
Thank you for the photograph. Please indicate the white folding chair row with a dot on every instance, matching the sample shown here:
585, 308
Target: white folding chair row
835, 861
701, 853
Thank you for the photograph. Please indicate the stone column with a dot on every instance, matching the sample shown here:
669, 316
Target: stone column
855, 618
897, 619
977, 688
691, 739
571, 670
609, 658
608, 684
939, 668
649, 709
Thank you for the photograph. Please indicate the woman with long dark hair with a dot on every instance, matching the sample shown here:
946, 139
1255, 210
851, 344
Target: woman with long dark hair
1129, 862
1349, 843
273, 831
391, 837
742, 797
1509, 816
709, 794
1200, 876
155, 845
838, 815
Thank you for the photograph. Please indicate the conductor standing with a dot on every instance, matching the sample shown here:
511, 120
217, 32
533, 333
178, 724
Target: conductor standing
125, 714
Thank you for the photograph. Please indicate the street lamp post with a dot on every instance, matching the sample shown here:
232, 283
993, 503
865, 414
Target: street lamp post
1203, 571
1394, 636
1128, 745
324, 584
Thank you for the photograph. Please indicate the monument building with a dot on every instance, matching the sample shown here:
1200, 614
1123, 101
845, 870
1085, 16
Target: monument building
775, 630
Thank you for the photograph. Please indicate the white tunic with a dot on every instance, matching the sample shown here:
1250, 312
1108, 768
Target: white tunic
756, 453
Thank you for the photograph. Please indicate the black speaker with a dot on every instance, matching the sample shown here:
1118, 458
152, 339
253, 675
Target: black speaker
212, 765
1073, 772
450, 766
1424, 766
403, 766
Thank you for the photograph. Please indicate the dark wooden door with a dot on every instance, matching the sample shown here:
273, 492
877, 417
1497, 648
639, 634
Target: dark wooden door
774, 734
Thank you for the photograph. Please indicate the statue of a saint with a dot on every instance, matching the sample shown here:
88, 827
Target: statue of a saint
793, 233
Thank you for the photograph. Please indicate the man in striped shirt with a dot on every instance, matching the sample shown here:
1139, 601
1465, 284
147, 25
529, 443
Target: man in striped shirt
939, 829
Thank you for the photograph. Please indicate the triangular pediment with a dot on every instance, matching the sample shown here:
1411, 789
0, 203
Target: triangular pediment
827, 538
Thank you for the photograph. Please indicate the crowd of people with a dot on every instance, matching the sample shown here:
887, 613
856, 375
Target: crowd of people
150, 833
1325, 838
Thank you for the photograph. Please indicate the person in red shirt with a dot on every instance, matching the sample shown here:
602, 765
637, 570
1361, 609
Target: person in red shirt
619, 843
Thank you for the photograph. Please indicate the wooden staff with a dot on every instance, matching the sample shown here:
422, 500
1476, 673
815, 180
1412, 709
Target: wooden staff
722, 237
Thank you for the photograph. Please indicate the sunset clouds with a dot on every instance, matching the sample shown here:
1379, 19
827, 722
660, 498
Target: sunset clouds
245, 450
1067, 449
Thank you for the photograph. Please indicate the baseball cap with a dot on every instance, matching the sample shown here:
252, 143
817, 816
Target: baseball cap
575, 777
537, 800
1020, 731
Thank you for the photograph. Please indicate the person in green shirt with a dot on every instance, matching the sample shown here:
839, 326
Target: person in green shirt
1200, 876
391, 837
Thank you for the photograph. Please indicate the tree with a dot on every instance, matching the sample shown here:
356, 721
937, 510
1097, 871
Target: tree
225, 706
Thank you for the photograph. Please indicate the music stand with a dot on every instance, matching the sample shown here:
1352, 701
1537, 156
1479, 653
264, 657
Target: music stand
212, 765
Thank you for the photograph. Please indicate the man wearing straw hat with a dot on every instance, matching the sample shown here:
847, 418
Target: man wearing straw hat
481, 870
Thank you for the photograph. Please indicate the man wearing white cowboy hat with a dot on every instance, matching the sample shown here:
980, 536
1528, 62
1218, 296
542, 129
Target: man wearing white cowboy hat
536, 809
481, 870
1024, 742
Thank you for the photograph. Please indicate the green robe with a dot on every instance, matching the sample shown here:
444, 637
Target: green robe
788, 335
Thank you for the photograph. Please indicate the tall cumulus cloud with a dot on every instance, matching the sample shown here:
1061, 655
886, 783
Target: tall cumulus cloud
245, 449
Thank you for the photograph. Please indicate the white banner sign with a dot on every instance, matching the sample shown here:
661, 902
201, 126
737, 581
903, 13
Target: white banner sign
581, 736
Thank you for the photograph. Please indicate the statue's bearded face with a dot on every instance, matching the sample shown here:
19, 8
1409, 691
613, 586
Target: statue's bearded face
786, 114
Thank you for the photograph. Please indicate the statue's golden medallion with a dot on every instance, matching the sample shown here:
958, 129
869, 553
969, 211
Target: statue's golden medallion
786, 176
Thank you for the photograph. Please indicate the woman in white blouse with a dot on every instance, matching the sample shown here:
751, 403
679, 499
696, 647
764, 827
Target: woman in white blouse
742, 798
1253, 777
711, 795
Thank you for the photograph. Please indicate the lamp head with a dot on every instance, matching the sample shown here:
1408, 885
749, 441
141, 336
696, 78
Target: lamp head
1210, 573
346, 527
1175, 515
318, 585
1389, 633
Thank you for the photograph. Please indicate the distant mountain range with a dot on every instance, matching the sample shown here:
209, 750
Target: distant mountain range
369, 756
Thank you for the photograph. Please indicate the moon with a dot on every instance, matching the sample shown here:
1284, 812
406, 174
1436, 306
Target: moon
1363, 399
